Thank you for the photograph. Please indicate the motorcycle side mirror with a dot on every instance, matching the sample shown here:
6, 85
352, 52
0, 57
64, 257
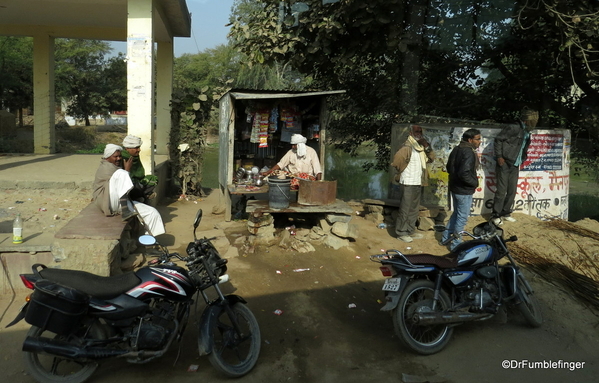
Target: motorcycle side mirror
147, 240
196, 222
197, 219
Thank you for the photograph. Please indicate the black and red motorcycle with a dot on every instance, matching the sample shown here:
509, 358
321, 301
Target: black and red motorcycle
79, 318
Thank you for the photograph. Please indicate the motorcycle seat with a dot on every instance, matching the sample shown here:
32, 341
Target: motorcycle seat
444, 262
91, 284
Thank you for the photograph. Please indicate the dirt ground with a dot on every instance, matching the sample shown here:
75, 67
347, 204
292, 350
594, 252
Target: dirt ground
331, 328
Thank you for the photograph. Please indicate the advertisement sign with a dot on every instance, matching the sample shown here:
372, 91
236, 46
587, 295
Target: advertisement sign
543, 182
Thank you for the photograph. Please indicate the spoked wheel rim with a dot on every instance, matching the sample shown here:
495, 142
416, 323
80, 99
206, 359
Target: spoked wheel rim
49, 368
235, 353
529, 306
421, 300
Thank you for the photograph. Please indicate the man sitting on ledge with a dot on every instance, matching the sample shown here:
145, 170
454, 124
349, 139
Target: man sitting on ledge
111, 188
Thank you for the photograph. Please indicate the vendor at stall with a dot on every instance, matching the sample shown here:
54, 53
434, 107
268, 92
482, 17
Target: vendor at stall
299, 159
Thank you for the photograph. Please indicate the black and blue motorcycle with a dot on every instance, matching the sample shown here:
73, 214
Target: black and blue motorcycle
429, 295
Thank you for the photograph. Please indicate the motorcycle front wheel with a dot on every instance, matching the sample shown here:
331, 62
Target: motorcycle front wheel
418, 297
528, 306
52, 369
234, 353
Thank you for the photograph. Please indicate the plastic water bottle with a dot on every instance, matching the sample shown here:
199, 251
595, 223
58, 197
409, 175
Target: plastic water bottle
17, 230
382, 226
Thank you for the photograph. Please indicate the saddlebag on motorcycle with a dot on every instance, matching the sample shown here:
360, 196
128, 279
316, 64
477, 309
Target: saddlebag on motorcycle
55, 307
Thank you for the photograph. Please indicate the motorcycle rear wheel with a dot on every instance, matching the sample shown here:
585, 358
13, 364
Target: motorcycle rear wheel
52, 369
529, 306
418, 297
234, 355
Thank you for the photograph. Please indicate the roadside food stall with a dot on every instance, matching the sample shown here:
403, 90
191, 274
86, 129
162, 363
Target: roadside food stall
255, 130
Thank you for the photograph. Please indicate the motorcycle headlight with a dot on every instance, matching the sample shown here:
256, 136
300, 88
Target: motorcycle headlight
484, 228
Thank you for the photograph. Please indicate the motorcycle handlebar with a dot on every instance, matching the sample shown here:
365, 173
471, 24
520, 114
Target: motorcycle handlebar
198, 241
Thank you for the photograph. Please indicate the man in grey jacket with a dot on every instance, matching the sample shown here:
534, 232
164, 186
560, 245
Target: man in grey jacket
511, 146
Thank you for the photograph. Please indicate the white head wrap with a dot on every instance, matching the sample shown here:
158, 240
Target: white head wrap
300, 141
132, 142
110, 149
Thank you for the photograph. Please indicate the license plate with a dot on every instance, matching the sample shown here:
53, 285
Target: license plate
392, 284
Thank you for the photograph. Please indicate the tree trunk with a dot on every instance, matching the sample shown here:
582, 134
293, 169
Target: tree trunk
410, 70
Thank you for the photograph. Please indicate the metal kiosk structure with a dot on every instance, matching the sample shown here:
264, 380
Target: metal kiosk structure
289, 112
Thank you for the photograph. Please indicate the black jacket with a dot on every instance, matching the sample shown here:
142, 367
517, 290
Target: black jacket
461, 167
508, 143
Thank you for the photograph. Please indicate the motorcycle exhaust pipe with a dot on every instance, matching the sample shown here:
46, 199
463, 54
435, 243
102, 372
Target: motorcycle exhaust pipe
67, 350
426, 319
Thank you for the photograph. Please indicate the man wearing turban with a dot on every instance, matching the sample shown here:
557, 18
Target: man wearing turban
143, 185
300, 159
111, 188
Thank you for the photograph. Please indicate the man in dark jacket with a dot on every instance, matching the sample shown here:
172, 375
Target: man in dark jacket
511, 146
463, 181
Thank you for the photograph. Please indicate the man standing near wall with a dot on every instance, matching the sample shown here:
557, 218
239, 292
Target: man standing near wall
410, 162
463, 181
511, 146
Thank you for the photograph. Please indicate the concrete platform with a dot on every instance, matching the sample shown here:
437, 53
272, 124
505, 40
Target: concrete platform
48, 171
339, 207
52, 171
91, 223
36, 242
90, 241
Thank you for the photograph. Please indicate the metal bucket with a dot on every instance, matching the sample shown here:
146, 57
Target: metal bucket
278, 193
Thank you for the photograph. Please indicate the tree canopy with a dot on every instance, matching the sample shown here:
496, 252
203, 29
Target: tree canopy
16, 72
89, 82
405, 60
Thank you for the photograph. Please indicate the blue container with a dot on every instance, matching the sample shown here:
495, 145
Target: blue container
279, 194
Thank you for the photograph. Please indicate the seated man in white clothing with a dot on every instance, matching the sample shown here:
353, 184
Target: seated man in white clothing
300, 159
110, 192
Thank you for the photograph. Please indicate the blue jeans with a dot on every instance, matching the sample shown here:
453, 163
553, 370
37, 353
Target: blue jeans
461, 211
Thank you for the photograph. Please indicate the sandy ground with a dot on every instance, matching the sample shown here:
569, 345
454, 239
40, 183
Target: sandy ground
331, 328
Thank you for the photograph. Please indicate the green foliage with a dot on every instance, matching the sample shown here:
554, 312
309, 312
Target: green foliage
190, 112
582, 206
199, 82
16, 72
114, 83
98, 149
402, 60
584, 166
212, 67
91, 84
224, 65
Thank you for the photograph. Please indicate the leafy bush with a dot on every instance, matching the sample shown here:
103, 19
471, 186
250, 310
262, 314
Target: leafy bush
190, 116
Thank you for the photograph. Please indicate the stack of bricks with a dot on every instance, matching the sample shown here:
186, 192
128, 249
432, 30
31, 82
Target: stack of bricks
261, 225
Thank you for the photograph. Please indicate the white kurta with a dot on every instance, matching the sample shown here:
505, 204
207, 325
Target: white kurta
119, 185
307, 164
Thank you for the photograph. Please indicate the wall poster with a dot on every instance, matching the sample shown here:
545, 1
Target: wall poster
544, 178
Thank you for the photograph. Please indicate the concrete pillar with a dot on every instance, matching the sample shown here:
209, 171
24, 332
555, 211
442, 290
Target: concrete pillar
140, 77
44, 137
164, 91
